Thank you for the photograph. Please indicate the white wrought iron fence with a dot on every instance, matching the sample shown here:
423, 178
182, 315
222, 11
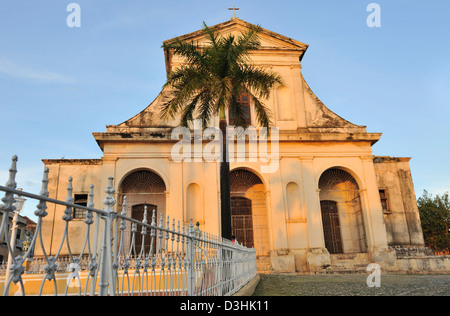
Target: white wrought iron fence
181, 260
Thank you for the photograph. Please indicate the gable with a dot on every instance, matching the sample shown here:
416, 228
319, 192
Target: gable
237, 26
295, 108
270, 41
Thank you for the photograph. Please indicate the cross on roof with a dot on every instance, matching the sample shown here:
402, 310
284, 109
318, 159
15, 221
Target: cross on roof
234, 10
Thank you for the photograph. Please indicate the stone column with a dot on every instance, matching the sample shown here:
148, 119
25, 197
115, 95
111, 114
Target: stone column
317, 255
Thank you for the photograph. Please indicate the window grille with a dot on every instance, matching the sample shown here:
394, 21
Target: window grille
80, 199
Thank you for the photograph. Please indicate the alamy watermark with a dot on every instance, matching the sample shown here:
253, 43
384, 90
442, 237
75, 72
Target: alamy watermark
374, 18
244, 145
74, 18
374, 279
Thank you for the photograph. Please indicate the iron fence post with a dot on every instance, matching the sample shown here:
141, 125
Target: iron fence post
106, 275
7, 207
220, 266
191, 258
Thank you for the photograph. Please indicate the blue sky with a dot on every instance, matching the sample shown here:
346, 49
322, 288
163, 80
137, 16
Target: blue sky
60, 84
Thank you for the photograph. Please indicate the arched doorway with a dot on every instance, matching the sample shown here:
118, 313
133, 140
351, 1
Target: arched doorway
142, 188
248, 210
342, 217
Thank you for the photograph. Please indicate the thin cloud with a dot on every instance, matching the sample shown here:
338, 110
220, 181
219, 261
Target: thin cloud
13, 69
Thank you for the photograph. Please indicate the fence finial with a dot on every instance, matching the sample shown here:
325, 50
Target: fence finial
144, 221
9, 200
191, 226
42, 205
68, 211
168, 227
109, 200
90, 217
153, 231
124, 213
91, 196
12, 173
44, 189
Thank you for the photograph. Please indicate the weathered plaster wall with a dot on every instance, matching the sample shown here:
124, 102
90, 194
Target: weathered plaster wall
402, 220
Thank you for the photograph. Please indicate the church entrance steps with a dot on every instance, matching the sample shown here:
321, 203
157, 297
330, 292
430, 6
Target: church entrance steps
354, 262
340, 263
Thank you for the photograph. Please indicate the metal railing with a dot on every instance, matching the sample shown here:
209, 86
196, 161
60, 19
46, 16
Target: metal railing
180, 261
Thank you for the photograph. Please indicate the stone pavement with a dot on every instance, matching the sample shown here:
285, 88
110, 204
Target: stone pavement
352, 285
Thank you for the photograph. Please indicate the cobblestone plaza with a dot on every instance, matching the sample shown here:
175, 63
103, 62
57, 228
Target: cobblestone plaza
352, 285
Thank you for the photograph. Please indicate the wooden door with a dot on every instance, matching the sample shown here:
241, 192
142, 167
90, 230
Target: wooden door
331, 227
242, 221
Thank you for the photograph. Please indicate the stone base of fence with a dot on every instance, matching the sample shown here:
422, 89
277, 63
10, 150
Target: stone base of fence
249, 288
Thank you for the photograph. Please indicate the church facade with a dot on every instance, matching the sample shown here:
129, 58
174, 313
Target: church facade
328, 198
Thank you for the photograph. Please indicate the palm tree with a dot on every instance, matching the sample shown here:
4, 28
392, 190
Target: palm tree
210, 83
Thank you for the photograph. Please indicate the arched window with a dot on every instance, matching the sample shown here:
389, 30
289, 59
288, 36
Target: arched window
142, 181
244, 101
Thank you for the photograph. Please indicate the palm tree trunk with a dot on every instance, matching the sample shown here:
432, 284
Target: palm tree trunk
225, 199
